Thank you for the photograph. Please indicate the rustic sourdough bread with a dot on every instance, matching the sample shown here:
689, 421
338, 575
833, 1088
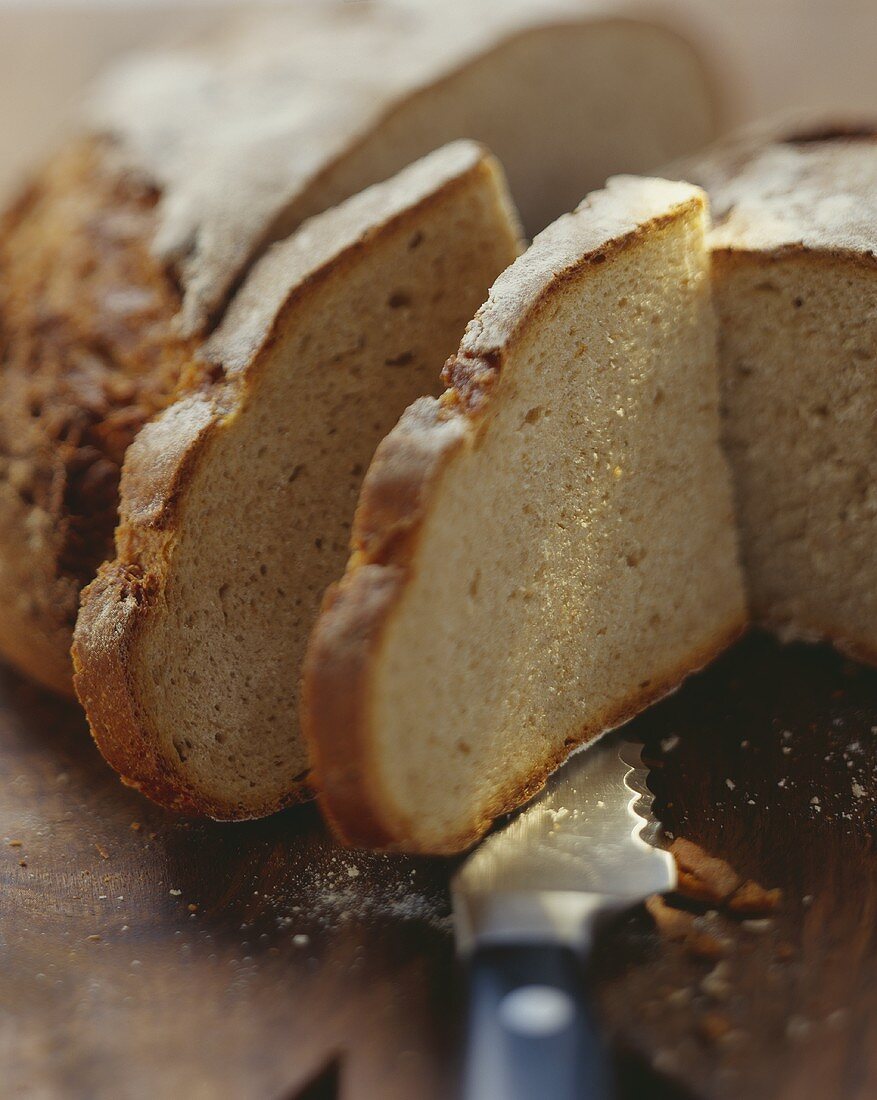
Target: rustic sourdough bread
544, 549
794, 260
237, 501
121, 255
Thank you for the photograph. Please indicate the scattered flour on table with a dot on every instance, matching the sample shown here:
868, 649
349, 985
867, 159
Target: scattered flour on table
377, 890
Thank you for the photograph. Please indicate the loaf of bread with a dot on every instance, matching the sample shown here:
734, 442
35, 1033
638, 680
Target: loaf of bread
794, 261
121, 256
542, 551
237, 501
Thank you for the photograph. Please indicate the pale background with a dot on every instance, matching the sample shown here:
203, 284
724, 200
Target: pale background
771, 55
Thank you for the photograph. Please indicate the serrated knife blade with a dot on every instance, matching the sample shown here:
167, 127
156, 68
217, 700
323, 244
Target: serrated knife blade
526, 902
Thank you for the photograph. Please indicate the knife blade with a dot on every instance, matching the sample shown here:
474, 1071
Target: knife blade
526, 904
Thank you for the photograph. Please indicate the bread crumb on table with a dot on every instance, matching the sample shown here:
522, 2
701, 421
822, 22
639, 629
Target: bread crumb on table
703, 877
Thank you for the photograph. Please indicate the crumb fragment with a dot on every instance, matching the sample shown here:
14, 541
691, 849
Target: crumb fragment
797, 1029
714, 1026
673, 924
101, 851
15, 843
694, 933
703, 877
752, 900
717, 983
136, 826
93, 939
837, 1019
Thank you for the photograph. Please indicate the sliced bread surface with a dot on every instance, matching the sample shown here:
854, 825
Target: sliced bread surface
543, 550
794, 261
237, 502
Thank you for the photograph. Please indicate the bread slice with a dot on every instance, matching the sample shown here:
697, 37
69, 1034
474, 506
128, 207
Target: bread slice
794, 259
122, 254
543, 550
237, 502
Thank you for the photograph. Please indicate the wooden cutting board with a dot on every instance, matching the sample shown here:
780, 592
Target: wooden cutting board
145, 955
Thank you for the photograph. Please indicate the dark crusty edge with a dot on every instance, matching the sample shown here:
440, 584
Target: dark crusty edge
160, 467
82, 379
346, 641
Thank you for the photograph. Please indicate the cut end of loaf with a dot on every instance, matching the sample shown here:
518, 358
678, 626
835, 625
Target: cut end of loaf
794, 275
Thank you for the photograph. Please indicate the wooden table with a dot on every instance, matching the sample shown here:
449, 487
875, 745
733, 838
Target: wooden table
145, 955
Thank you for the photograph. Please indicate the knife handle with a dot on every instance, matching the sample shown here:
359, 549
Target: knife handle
530, 1032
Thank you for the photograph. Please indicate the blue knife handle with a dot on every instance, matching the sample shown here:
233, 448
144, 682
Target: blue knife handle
530, 1032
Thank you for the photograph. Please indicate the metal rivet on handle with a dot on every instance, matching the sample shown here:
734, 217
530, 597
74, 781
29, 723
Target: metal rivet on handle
536, 1011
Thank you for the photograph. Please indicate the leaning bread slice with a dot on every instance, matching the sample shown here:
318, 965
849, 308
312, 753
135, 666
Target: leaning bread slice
543, 550
237, 502
794, 262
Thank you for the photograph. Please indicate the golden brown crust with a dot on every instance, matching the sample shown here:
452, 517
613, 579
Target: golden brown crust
355, 611
113, 615
117, 597
88, 354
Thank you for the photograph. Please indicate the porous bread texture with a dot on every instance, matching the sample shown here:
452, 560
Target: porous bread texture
794, 261
88, 353
542, 551
297, 111
126, 249
237, 502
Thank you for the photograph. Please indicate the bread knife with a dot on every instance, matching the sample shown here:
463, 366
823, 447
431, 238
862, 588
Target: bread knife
526, 905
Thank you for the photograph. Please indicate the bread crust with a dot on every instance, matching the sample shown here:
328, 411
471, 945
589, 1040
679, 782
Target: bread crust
778, 190
88, 355
345, 645
162, 464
